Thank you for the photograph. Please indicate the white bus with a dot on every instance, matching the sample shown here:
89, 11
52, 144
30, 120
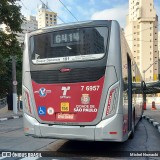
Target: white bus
80, 83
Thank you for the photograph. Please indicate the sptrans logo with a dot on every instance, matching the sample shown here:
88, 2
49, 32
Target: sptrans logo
65, 90
43, 92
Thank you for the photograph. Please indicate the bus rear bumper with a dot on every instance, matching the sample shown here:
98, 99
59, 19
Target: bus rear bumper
101, 132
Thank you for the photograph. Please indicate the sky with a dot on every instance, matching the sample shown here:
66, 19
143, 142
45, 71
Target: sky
84, 9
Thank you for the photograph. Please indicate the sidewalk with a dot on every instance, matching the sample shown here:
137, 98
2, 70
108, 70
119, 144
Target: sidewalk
10, 115
153, 116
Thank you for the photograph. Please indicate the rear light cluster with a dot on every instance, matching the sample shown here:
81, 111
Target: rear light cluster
27, 102
111, 103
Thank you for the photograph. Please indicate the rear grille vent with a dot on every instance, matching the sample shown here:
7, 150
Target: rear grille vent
75, 75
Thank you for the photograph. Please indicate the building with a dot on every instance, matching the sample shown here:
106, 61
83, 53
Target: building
45, 17
141, 33
159, 45
30, 24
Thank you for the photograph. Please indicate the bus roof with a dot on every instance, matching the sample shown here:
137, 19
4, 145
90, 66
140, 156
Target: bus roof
73, 24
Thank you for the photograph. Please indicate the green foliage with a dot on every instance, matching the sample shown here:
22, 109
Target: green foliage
10, 15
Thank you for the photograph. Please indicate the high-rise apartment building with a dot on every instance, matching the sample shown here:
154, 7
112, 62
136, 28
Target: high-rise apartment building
159, 44
142, 35
45, 17
30, 24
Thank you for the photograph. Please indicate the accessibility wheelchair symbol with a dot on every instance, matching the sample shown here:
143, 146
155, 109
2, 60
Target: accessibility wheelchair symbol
42, 110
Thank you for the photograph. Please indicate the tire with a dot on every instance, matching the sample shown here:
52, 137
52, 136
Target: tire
140, 118
133, 127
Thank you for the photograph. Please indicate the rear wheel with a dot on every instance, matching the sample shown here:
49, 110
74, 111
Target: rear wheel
133, 127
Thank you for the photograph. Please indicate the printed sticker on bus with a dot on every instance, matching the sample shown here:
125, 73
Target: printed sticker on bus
85, 99
64, 107
62, 116
50, 111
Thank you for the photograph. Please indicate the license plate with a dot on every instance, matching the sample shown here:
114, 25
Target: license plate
65, 116
64, 107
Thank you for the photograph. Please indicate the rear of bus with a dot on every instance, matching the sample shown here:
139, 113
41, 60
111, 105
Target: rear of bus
72, 82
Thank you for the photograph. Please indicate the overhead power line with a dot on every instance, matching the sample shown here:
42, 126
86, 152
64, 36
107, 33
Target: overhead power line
53, 11
24, 5
143, 30
142, 40
69, 10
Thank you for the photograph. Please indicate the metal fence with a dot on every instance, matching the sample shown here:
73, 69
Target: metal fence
3, 102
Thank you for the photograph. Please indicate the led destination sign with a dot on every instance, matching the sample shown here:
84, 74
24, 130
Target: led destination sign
65, 37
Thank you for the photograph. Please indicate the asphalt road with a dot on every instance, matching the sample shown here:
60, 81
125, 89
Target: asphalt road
12, 138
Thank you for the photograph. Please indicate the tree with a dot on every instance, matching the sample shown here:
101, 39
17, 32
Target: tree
11, 16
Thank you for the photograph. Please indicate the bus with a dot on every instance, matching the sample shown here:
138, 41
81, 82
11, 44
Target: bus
80, 82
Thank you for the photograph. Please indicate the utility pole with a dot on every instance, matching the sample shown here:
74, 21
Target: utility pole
14, 85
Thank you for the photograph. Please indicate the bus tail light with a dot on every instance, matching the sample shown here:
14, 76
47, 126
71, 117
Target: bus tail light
27, 102
111, 103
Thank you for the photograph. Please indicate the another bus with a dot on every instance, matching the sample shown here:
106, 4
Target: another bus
80, 83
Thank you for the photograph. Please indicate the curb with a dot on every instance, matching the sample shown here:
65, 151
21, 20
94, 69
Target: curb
11, 117
153, 122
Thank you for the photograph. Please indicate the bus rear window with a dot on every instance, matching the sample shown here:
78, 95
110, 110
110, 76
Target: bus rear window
69, 45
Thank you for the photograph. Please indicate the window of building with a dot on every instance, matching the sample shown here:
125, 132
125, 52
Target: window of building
138, 26
46, 14
51, 19
150, 10
46, 17
150, 71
